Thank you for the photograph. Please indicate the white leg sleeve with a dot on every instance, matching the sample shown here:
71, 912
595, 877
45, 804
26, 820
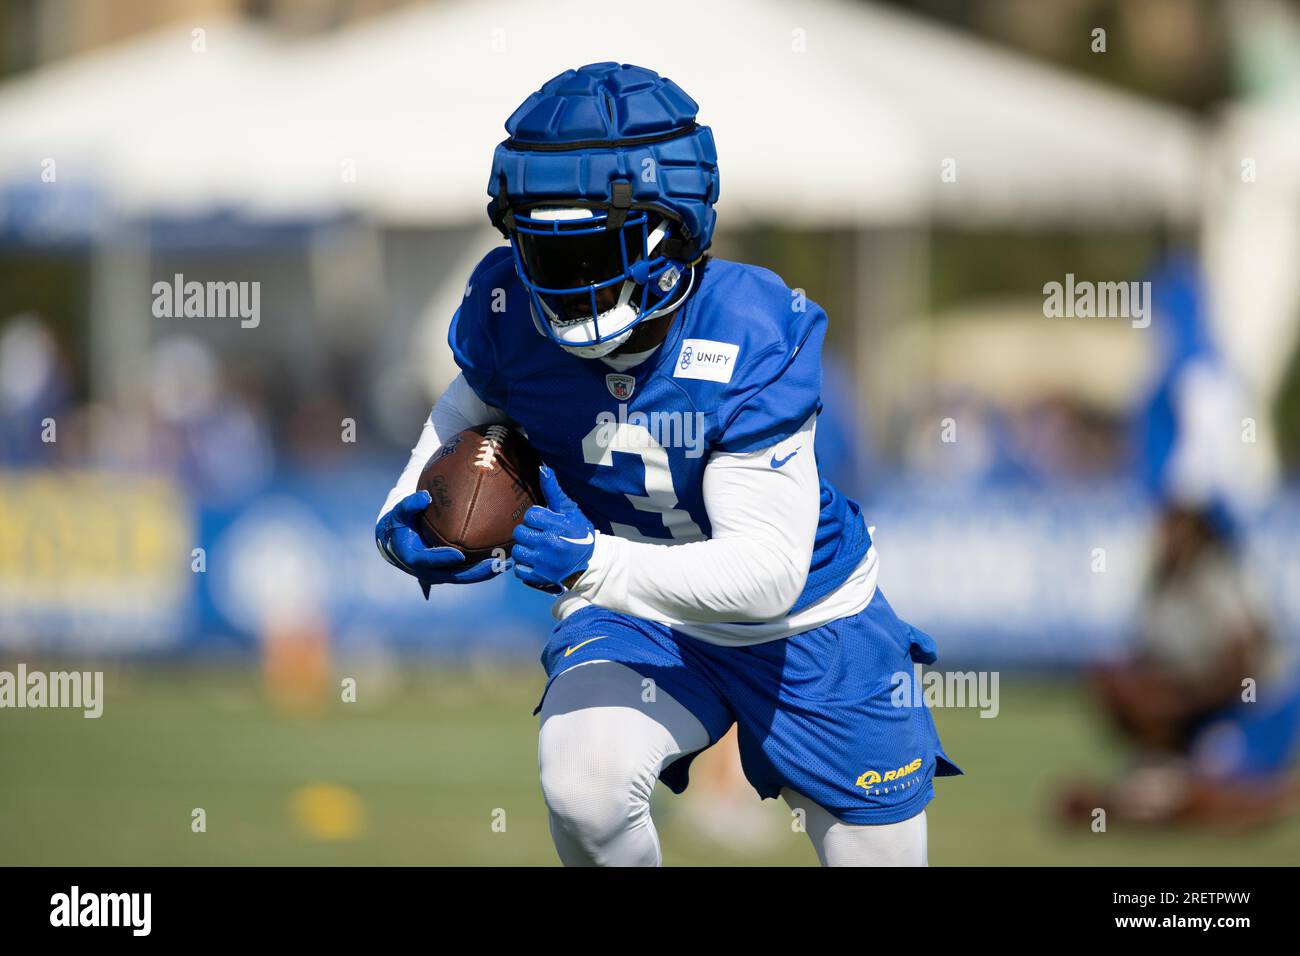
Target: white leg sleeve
600, 751
844, 844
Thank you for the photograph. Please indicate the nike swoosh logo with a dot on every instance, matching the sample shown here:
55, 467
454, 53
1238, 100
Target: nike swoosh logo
589, 539
777, 464
570, 650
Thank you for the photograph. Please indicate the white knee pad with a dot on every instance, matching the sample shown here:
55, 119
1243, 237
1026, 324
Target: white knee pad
600, 751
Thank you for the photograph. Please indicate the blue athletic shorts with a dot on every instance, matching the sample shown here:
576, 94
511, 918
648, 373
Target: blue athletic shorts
815, 712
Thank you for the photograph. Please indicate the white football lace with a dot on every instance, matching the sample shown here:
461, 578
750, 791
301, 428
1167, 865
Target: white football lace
491, 444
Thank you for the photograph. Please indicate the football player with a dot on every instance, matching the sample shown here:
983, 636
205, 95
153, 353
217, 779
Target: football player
705, 574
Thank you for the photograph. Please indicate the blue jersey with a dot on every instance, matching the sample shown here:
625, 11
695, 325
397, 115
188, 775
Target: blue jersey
739, 371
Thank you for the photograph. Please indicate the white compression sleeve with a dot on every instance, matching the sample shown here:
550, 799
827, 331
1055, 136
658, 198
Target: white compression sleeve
457, 408
600, 750
845, 844
763, 507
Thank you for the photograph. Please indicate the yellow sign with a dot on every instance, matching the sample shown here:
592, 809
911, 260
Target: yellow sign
81, 540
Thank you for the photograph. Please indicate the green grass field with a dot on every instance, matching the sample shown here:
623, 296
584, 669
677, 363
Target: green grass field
420, 775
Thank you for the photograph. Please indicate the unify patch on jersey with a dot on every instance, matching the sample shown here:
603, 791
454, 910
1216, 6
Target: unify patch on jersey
707, 360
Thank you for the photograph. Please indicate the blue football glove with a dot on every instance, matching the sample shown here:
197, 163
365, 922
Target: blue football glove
402, 547
553, 543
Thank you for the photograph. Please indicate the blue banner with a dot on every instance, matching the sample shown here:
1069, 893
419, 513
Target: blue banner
125, 564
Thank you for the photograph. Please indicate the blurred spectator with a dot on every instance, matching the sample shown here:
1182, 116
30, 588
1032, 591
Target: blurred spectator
33, 387
1207, 700
205, 431
1187, 432
1044, 441
951, 440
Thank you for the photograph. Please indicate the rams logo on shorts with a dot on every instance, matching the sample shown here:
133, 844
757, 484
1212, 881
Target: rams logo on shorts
870, 778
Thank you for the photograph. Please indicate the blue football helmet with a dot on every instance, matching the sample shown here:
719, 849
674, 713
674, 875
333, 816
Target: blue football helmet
605, 190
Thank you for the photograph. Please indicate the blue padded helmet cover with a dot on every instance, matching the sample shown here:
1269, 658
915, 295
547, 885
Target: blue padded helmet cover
602, 123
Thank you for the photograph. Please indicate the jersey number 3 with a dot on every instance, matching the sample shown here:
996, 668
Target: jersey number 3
660, 498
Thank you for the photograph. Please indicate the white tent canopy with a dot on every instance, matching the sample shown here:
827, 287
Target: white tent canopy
147, 121
1028, 140
825, 113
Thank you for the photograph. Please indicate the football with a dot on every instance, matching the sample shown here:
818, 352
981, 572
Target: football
481, 482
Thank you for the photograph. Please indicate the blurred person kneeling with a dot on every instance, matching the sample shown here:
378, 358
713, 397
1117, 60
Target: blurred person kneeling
1207, 699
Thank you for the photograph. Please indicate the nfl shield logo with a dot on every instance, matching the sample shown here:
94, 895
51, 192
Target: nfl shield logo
620, 386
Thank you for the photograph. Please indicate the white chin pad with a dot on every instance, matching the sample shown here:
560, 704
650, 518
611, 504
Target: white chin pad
584, 331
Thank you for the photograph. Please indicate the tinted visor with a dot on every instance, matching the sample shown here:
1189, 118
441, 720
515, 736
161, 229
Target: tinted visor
572, 259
